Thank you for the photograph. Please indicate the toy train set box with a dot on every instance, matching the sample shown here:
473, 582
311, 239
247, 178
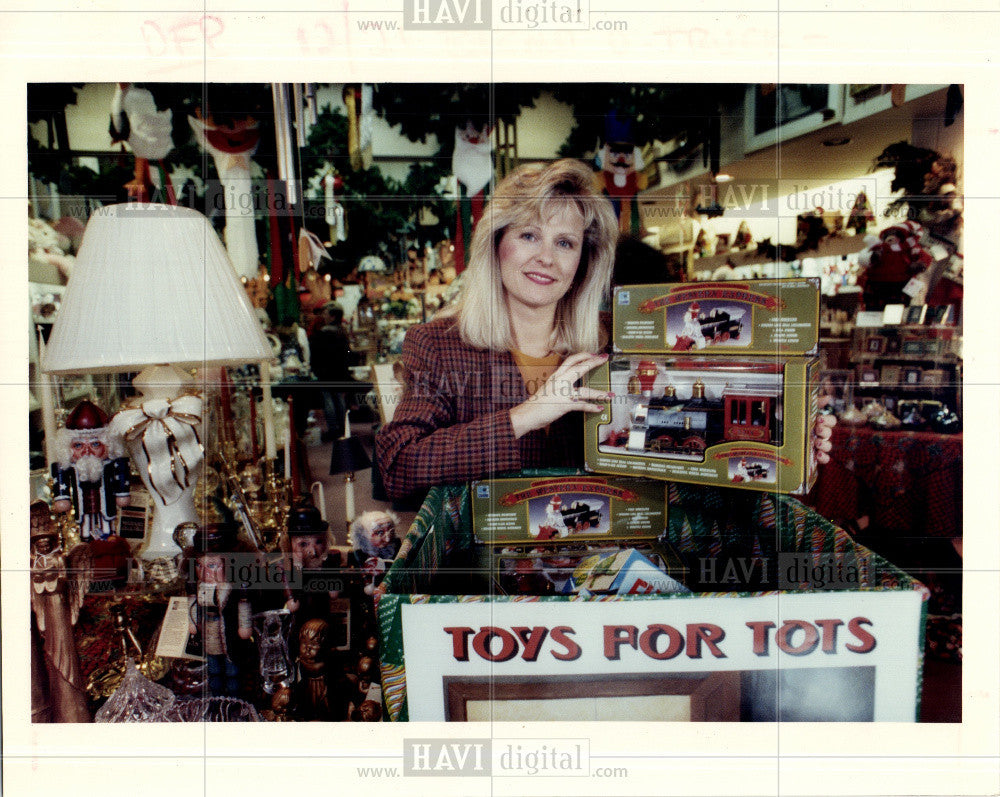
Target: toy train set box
743, 423
784, 618
713, 383
567, 508
560, 533
718, 318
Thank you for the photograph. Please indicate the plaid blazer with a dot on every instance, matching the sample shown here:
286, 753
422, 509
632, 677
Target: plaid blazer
453, 420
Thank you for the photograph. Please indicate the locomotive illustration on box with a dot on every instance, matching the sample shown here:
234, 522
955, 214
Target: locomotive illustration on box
692, 327
561, 520
724, 319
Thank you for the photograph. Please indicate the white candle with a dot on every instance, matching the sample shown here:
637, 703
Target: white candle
288, 453
349, 497
48, 409
319, 498
347, 424
270, 445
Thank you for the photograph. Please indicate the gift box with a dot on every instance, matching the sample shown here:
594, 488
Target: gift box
788, 619
567, 508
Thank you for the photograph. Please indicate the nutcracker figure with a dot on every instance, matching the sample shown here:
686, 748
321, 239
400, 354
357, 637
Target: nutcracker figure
620, 177
220, 614
92, 473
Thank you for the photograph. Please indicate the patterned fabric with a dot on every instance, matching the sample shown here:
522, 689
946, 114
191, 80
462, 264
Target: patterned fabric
908, 482
453, 421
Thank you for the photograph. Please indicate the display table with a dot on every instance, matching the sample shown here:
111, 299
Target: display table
909, 483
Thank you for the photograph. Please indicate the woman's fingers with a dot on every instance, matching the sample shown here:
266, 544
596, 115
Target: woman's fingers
822, 434
589, 394
560, 395
577, 365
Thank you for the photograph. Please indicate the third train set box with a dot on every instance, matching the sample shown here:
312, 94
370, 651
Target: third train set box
715, 383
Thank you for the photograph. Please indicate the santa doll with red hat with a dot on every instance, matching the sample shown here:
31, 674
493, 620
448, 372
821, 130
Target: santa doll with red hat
891, 261
91, 474
692, 326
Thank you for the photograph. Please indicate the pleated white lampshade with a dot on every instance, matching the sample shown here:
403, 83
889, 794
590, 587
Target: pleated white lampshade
152, 284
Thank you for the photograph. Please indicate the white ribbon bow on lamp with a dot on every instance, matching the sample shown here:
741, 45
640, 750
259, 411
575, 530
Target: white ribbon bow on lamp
167, 431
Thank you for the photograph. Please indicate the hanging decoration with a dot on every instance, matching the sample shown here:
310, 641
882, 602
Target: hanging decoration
136, 122
472, 164
361, 118
232, 146
620, 176
283, 138
315, 289
336, 218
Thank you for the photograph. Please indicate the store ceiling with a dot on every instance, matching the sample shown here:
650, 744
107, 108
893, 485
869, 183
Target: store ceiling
808, 163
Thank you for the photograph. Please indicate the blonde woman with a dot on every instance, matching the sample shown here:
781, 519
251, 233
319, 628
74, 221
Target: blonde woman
490, 386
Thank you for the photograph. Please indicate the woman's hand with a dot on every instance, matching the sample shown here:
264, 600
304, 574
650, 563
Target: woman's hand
822, 432
557, 395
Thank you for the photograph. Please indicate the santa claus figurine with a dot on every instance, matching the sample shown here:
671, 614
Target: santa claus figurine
554, 523
92, 473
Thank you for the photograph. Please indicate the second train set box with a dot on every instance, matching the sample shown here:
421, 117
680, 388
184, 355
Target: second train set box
567, 508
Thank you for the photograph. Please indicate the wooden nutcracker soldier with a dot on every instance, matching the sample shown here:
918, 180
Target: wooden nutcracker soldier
620, 176
92, 472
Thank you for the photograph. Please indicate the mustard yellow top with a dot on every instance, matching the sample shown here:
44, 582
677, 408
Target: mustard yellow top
535, 370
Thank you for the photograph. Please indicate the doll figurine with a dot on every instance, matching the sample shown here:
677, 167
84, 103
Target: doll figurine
92, 473
319, 693
58, 585
311, 559
373, 538
220, 617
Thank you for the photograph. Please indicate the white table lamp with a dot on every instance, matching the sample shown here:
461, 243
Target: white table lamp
153, 290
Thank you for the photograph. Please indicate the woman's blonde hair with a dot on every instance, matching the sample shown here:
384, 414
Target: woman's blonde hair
524, 197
